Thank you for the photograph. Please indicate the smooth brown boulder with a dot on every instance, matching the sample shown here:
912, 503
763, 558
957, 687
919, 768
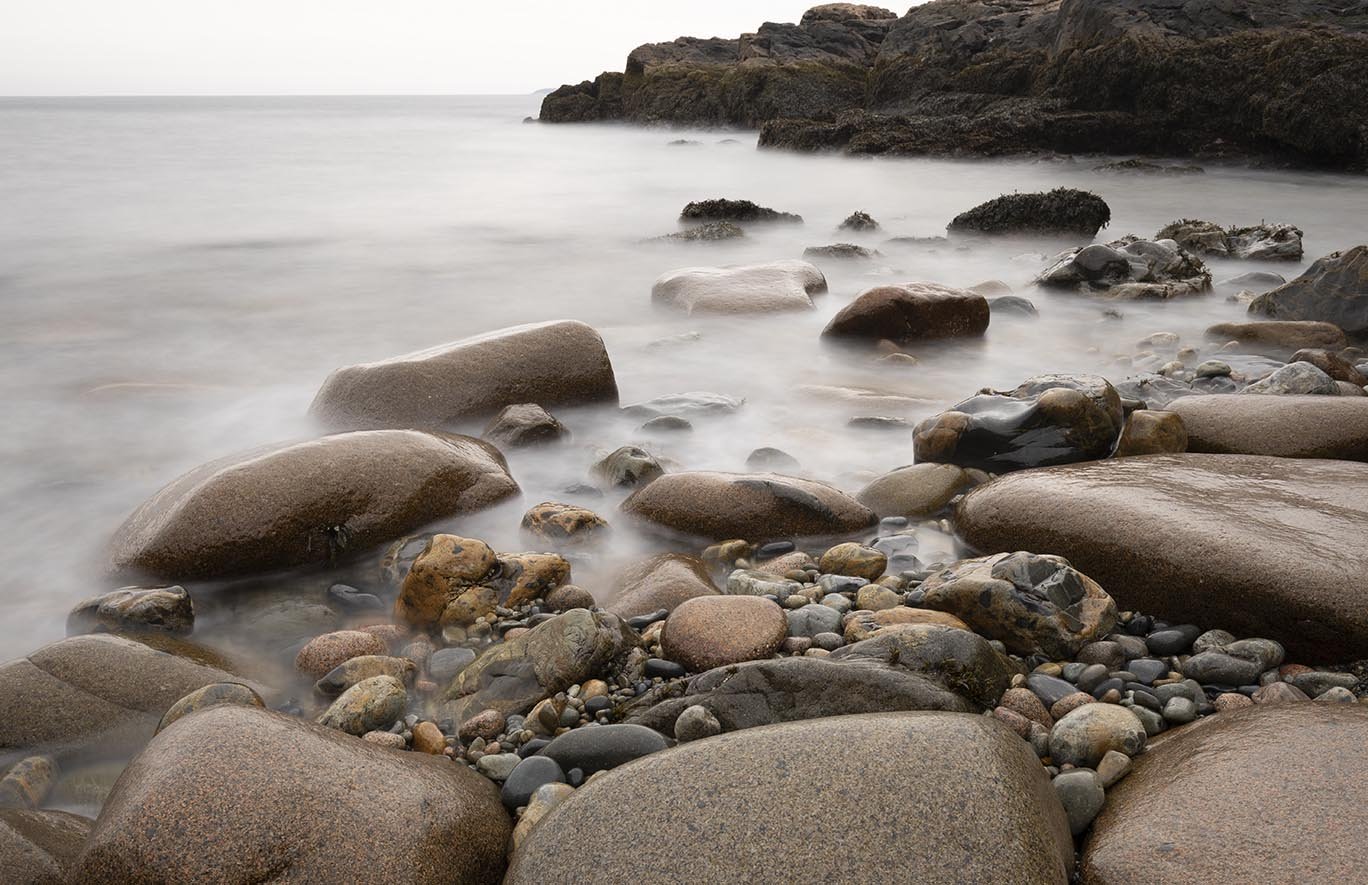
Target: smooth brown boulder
861, 625
1334, 289
240, 795
564, 525
755, 288
38, 847
1330, 363
660, 582
560, 363
746, 807
1285, 426
910, 314
917, 490
1269, 547
714, 631
1280, 337
1152, 432
307, 503
1265, 794
96, 689
753, 506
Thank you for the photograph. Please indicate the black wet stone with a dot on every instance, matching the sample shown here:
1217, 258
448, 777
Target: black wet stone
775, 548
1107, 685
641, 622
596, 705
1173, 641
1049, 689
662, 668
1147, 670
351, 599
1142, 698
1140, 625
527, 776
599, 748
532, 747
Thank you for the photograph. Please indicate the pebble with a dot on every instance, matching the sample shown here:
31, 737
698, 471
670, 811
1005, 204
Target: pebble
1279, 692
1317, 682
695, 723
1212, 639
369, 705
1173, 641
351, 600
1085, 735
1231, 701
811, 620
603, 747
1026, 703
487, 724
385, 739
1092, 676
428, 738
1152, 721
658, 667
873, 597
1082, 796
524, 777
1107, 654
1049, 689
835, 585
1180, 711
828, 641
1147, 670
1112, 768
1067, 704
1337, 694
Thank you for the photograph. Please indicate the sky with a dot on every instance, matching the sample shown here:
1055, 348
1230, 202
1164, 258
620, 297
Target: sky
251, 47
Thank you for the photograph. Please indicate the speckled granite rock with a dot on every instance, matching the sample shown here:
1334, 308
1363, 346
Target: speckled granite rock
660, 582
714, 631
744, 807
1286, 426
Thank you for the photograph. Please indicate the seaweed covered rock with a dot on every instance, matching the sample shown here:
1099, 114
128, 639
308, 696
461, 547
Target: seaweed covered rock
1334, 289
1261, 242
1060, 211
735, 211
1031, 604
1049, 419
1129, 269
909, 314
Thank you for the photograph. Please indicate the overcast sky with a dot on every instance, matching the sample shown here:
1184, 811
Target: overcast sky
218, 47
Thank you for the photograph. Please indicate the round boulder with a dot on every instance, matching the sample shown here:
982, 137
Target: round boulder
714, 631
909, 314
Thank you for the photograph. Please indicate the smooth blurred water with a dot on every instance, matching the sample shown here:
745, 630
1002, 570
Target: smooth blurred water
177, 276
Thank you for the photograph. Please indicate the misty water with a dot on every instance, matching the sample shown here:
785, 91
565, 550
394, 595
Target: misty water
178, 276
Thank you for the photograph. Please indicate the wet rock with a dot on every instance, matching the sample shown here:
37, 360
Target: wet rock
96, 690
1284, 426
265, 796
811, 620
1129, 269
135, 609
1334, 289
711, 231
1012, 306
524, 424
211, 696
551, 657
1280, 337
704, 792
1219, 777
841, 252
664, 581
696, 723
628, 467
754, 506
561, 363
1238, 663
353, 601
910, 313
564, 525
859, 221
603, 747
448, 568
714, 631
309, 502
1152, 432
917, 490
861, 625
757, 582
1060, 211
1031, 604
1261, 242
1088, 733
1332, 364
1081, 794
528, 776
853, 560
1048, 419
1278, 693
38, 847
734, 210
542, 801
1295, 379
316, 659
1136, 526
755, 288
369, 705
961, 661
666, 425
350, 672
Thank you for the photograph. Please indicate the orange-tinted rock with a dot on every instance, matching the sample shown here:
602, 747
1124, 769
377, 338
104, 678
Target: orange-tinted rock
714, 631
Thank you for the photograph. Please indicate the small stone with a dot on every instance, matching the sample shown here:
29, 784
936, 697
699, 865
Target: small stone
1108, 654
323, 653
853, 560
657, 668
1067, 704
568, 596
369, 705
1085, 735
1337, 695
1082, 796
695, 723
1317, 682
1050, 689
1092, 676
544, 799
428, 738
499, 766
211, 695
525, 776
1180, 711
1112, 768
874, 597
1231, 701
1151, 720
27, 784
1013, 720
1173, 641
487, 724
1025, 702
385, 739
1147, 670
446, 663
1279, 692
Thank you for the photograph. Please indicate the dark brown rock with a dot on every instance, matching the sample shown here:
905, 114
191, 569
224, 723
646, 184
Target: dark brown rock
552, 364
714, 631
564, 525
916, 490
1280, 337
1060, 211
1285, 426
1262, 546
660, 582
307, 503
524, 424
239, 794
1213, 783
910, 314
1334, 289
692, 805
38, 847
135, 609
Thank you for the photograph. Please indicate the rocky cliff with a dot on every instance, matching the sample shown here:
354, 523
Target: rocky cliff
1279, 79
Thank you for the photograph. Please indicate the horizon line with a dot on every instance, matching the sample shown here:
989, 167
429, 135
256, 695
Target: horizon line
274, 94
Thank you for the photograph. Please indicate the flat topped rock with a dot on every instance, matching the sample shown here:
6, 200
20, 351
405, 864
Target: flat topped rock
754, 506
1271, 793
1285, 426
306, 502
745, 807
910, 313
1260, 546
753, 288
560, 363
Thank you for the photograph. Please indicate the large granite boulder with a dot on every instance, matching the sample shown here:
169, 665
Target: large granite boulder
1129, 269
561, 363
910, 314
307, 503
754, 506
746, 807
38, 847
1262, 546
1270, 793
660, 582
1260, 242
754, 288
1060, 211
1310, 426
1334, 289
1048, 419
513, 676
239, 795
93, 690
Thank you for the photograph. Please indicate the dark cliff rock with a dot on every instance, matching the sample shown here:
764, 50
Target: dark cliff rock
1279, 79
